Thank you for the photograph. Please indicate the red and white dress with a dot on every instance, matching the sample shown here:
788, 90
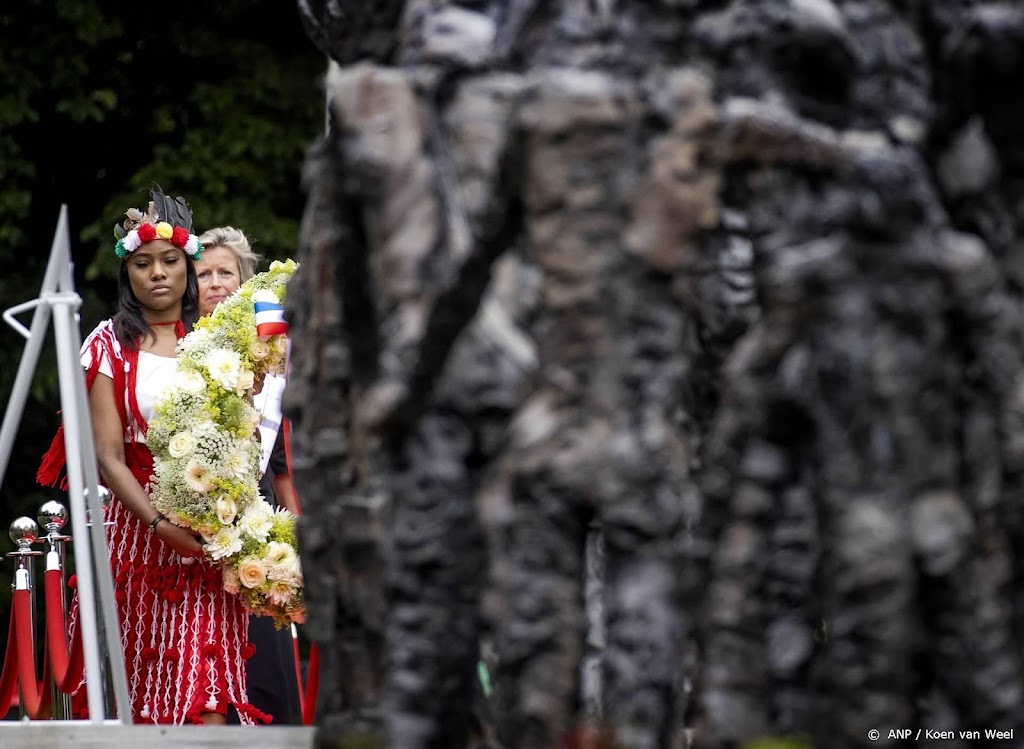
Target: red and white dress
184, 638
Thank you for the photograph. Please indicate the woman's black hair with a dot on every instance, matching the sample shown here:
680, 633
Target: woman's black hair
130, 326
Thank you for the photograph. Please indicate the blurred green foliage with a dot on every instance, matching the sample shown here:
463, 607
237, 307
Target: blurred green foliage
214, 101
777, 743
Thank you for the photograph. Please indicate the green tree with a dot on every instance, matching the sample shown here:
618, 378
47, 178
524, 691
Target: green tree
211, 100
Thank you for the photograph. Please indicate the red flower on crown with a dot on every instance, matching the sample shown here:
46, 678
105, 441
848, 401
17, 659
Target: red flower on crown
179, 237
147, 233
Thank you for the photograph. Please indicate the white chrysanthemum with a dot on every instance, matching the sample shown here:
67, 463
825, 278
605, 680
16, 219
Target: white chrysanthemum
238, 464
251, 572
282, 514
279, 554
226, 510
225, 542
280, 593
181, 445
289, 573
255, 520
223, 366
190, 382
197, 476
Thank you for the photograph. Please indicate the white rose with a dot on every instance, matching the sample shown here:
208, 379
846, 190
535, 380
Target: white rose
246, 379
181, 445
226, 510
190, 382
251, 572
259, 350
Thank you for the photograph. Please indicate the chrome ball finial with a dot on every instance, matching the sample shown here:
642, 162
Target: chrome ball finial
52, 516
24, 532
104, 493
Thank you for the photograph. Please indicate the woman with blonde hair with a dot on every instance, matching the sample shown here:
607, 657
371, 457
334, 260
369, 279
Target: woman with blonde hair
229, 261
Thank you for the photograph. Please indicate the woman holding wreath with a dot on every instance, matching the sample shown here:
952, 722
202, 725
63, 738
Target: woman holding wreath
185, 639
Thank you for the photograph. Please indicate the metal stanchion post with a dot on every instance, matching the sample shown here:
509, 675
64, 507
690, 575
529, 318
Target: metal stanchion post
59, 302
52, 517
108, 683
24, 532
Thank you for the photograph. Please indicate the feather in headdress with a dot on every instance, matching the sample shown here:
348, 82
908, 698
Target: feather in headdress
162, 207
174, 211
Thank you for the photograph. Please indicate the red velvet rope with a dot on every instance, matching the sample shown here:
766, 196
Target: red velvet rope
9, 677
67, 668
19, 666
307, 694
312, 686
298, 672
35, 696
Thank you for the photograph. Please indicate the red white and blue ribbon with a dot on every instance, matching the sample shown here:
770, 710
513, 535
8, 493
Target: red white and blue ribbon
269, 319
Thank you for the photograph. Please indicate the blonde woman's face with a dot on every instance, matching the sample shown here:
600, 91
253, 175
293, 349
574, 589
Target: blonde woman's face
218, 275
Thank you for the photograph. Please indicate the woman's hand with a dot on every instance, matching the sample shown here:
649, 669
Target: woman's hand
180, 539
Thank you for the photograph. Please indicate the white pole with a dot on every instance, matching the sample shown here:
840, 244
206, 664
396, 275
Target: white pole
58, 299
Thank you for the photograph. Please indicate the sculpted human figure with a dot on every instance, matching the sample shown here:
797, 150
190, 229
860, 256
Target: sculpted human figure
765, 360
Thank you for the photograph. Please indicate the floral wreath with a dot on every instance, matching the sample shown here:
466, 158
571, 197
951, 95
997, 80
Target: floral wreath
206, 453
176, 235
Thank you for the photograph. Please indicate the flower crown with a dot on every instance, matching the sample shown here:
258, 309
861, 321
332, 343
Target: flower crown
166, 218
176, 235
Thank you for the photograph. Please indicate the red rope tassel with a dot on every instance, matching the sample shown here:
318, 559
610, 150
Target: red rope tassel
55, 458
52, 463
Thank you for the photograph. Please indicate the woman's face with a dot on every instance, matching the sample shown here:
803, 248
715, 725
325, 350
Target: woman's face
158, 273
218, 275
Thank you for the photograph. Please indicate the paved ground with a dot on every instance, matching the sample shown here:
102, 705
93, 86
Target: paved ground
81, 735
